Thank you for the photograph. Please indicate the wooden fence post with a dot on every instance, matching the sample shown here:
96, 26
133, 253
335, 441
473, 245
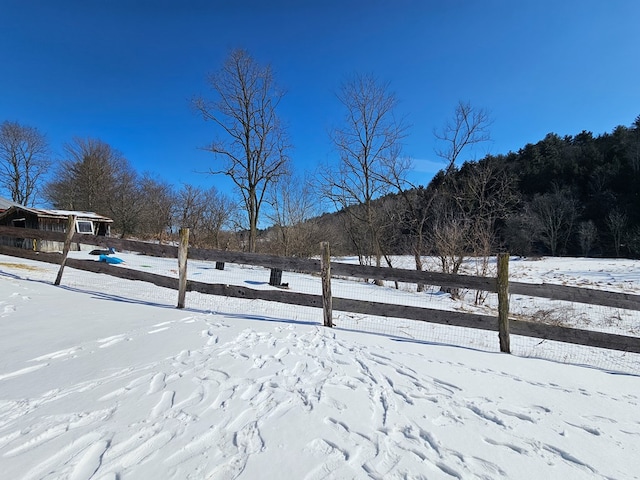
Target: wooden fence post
71, 229
503, 302
183, 250
325, 273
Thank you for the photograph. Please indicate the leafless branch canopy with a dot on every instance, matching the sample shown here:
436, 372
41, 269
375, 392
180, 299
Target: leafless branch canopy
368, 142
24, 159
469, 126
253, 145
369, 145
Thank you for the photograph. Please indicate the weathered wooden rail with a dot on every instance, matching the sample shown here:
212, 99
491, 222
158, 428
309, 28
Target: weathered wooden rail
505, 326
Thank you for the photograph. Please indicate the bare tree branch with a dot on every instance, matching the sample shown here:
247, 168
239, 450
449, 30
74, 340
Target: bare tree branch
469, 126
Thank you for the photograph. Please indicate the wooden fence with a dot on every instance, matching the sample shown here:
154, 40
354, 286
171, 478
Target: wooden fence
502, 323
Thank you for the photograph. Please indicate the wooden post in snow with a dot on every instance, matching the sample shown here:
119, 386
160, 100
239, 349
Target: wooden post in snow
325, 273
503, 302
183, 249
71, 229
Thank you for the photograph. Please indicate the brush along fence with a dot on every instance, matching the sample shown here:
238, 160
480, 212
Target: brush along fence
503, 322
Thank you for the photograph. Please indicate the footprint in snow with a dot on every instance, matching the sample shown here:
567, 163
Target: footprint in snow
22, 371
157, 383
165, 403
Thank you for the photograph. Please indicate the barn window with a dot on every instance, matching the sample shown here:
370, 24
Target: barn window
84, 226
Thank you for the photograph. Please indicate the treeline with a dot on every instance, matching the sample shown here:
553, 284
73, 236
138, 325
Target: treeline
92, 176
571, 195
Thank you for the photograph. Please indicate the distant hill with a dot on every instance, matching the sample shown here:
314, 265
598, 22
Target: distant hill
571, 195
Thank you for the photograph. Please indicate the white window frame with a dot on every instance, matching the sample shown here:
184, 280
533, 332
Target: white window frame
78, 222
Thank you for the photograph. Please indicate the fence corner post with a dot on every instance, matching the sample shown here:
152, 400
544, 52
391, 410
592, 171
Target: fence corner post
71, 229
183, 250
325, 273
503, 302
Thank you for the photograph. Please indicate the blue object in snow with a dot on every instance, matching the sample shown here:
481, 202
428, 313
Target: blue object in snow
112, 260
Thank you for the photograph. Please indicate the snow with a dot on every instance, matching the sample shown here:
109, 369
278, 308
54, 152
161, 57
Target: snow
102, 378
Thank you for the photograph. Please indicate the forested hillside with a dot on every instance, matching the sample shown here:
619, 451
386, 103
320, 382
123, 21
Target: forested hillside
572, 195
580, 194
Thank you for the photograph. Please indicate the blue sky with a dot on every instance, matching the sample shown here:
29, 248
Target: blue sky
123, 71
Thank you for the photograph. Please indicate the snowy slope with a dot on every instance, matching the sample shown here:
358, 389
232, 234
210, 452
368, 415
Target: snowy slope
96, 385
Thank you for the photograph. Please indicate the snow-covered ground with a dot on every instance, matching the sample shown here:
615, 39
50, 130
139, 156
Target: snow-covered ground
103, 378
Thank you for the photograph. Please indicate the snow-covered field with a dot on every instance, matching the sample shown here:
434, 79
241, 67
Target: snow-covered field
102, 378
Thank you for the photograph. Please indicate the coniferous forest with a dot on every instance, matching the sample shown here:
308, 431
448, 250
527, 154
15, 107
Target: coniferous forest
573, 195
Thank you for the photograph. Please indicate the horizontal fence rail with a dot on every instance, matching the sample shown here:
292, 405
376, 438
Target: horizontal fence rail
589, 296
313, 266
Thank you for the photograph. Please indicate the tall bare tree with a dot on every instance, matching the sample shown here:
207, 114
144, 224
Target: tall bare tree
24, 160
253, 147
369, 145
469, 126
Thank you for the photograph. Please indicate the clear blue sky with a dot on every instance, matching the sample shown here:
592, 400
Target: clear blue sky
123, 71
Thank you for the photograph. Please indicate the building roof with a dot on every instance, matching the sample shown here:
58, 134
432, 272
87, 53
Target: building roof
50, 213
5, 203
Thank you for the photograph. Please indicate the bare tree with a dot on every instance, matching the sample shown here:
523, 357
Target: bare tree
156, 218
587, 235
464, 214
417, 202
254, 151
216, 216
450, 237
124, 199
190, 207
468, 127
555, 213
293, 203
487, 194
369, 145
95, 177
453, 230
617, 223
204, 212
24, 160
85, 177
